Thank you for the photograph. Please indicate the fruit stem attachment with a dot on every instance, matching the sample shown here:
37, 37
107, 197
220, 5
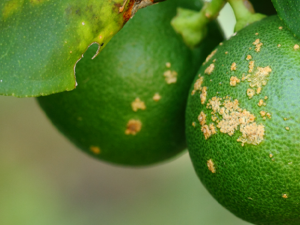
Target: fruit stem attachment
192, 25
244, 13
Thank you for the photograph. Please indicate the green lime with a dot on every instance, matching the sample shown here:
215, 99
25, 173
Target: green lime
243, 124
130, 101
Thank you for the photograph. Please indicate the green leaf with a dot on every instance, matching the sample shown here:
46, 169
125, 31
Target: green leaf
42, 40
288, 11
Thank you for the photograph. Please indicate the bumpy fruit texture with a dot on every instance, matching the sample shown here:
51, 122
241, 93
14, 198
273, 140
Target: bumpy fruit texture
130, 101
242, 124
41, 40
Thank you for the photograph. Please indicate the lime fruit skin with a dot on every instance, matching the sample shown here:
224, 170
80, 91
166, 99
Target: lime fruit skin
249, 160
130, 101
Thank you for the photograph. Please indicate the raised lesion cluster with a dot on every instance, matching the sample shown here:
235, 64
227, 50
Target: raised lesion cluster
229, 117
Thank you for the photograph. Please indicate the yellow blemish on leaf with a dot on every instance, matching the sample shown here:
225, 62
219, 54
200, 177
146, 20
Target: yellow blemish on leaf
156, 97
234, 81
168, 64
296, 47
233, 66
210, 56
250, 93
209, 69
211, 166
202, 118
36, 1
203, 95
138, 104
133, 127
249, 57
170, 76
11, 7
96, 150
284, 196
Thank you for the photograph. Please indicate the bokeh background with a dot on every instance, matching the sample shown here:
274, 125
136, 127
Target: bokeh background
45, 180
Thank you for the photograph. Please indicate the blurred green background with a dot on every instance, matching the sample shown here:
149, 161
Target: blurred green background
45, 180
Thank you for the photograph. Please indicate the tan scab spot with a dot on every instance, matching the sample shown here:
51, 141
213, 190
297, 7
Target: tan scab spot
193, 92
248, 57
96, 150
234, 81
206, 131
221, 43
234, 118
170, 76
261, 102
193, 124
252, 134
156, 97
168, 64
250, 93
296, 47
133, 127
233, 66
203, 95
259, 78
251, 66
262, 113
266, 97
287, 128
210, 56
256, 34
138, 104
226, 53
258, 45
209, 69
211, 166
212, 129
271, 155
280, 28
279, 45
284, 196
202, 118
198, 84
269, 115
258, 90
256, 42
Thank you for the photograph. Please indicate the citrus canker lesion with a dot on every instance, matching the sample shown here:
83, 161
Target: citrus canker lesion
255, 85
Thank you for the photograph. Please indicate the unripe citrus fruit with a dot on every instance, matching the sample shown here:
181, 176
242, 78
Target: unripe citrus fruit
243, 124
130, 101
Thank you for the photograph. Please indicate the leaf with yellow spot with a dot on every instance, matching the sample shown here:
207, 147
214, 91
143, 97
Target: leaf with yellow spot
41, 40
